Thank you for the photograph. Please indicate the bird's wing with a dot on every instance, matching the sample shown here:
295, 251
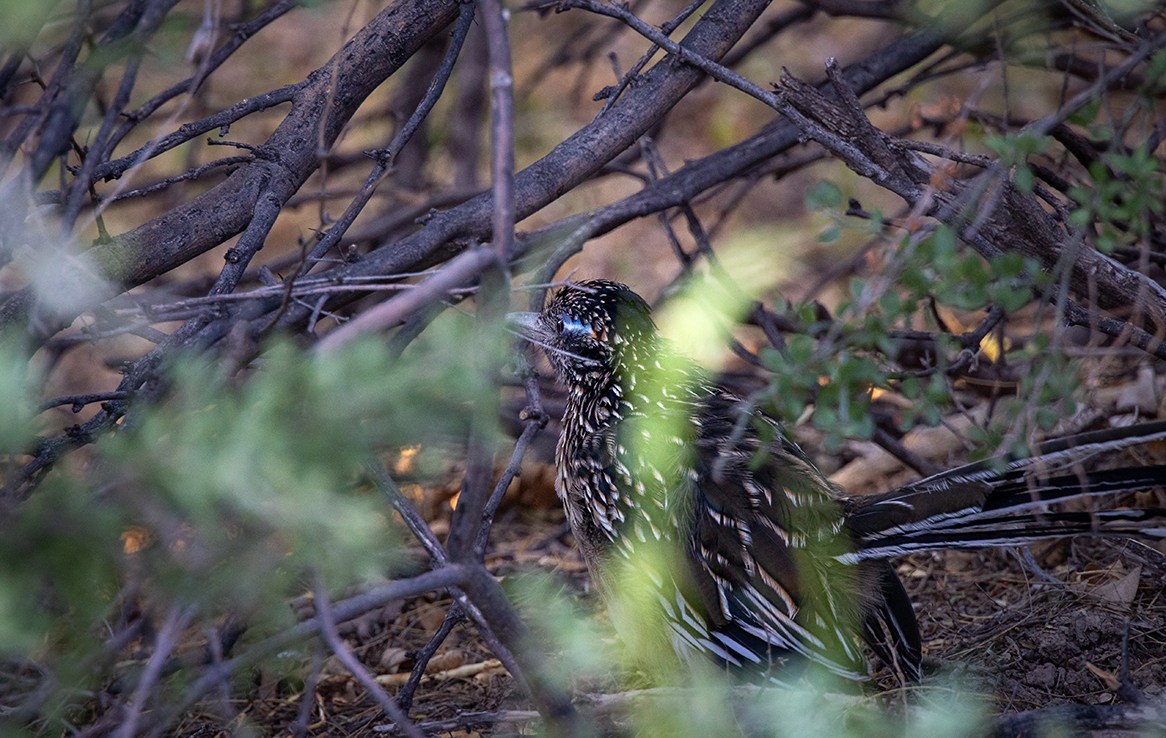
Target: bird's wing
765, 537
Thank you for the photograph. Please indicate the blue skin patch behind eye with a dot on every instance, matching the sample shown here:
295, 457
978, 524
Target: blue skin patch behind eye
574, 325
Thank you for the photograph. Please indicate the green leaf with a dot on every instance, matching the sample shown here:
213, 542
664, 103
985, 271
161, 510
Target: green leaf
1007, 265
1087, 113
824, 196
910, 388
799, 349
1024, 179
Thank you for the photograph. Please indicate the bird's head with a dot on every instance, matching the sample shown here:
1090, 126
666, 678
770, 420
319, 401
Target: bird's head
593, 330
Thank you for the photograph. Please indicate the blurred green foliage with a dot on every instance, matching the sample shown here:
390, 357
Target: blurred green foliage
672, 698
833, 367
222, 496
227, 492
22, 21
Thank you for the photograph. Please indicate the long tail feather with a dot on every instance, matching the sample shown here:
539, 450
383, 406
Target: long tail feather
1010, 501
1050, 456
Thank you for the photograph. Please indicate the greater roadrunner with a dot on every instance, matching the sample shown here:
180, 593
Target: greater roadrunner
774, 565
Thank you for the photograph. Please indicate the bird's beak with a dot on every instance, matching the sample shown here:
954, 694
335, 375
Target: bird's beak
526, 324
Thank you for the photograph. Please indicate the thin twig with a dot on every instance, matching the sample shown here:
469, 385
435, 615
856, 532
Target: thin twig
80, 401
1043, 125
895, 448
466, 720
308, 701
167, 638
332, 638
495, 612
535, 419
446, 576
213, 62
385, 158
452, 617
456, 272
613, 94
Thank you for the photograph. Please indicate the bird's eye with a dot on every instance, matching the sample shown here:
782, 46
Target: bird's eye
558, 325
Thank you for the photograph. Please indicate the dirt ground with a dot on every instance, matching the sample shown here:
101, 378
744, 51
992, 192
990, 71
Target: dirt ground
1016, 637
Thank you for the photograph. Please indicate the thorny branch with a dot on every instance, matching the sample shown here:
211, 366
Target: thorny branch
1015, 222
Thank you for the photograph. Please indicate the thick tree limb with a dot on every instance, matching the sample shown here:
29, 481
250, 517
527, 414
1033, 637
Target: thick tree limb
1009, 221
320, 109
